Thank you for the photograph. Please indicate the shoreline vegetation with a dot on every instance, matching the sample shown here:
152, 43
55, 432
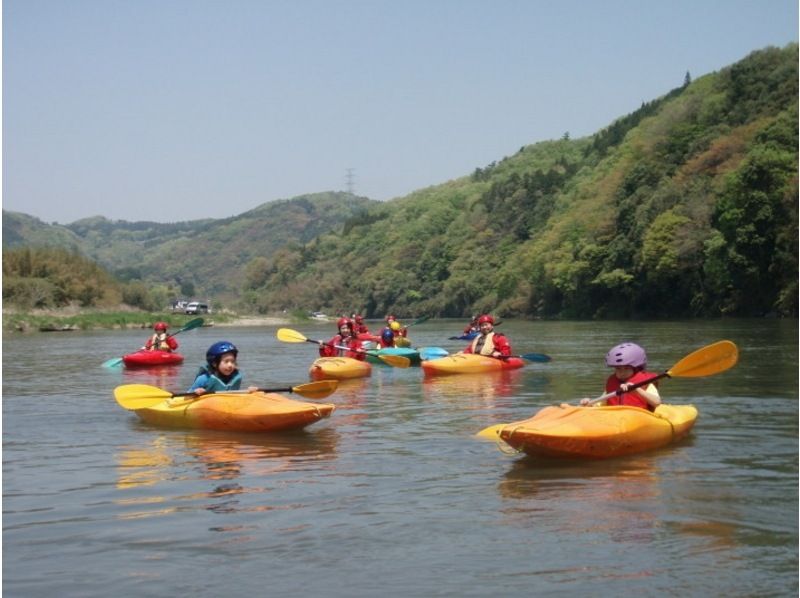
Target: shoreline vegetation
72, 319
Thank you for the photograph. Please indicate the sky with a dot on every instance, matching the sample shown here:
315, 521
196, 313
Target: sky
173, 110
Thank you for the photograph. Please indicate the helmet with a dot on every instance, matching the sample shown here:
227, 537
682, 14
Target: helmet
629, 354
344, 322
359, 319
486, 318
219, 349
390, 318
160, 326
387, 336
395, 325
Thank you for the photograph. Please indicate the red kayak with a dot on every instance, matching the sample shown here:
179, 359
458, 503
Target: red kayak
144, 359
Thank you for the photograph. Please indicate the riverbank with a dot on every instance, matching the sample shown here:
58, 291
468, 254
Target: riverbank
73, 319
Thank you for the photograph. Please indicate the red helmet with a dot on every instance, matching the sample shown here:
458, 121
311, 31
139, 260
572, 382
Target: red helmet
344, 322
160, 326
359, 319
390, 317
486, 318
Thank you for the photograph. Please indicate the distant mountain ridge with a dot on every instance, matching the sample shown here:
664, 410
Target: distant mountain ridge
208, 253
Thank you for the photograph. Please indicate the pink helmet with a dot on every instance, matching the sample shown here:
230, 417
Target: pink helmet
629, 354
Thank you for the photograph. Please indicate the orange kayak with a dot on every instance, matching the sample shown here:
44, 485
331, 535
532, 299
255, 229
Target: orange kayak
598, 432
469, 363
240, 412
339, 368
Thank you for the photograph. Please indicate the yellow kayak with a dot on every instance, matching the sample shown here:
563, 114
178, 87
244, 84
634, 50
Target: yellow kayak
598, 432
240, 412
339, 368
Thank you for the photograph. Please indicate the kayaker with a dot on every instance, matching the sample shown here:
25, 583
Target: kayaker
396, 326
220, 373
359, 326
346, 338
161, 341
629, 361
489, 342
473, 326
386, 339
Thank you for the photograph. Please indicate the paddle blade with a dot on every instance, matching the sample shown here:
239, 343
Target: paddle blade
538, 357
287, 335
190, 325
492, 432
140, 396
397, 361
707, 361
112, 363
316, 390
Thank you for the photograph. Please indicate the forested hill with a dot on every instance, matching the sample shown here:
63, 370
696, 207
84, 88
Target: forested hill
686, 207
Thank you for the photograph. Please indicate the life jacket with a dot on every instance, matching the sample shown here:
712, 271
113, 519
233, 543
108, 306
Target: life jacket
483, 345
160, 344
215, 383
632, 398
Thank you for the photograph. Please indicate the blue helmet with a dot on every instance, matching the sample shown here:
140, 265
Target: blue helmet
219, 349
387, 335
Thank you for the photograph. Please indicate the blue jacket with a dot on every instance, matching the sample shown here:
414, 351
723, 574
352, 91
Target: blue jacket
213, 383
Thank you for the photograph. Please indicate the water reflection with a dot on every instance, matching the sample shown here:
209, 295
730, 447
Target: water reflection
486, 390
609, 497
163, 376
224, 460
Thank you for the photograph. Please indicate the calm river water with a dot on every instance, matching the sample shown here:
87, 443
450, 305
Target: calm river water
394, 495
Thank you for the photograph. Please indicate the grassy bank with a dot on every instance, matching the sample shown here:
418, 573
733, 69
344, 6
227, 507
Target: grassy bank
113, 320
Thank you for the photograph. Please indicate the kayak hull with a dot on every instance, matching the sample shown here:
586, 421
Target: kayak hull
598, 432
468, 363
144, 359
339, 368
237, 412
411, 354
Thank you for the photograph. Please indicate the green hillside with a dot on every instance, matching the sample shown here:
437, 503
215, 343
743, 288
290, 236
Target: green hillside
686, 207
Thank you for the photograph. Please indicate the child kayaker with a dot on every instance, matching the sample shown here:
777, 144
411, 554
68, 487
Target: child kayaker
345, 338
629, 361
220, 373
489, 342
161, 341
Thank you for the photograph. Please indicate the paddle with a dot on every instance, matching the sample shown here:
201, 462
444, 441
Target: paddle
461, 338
142, 396
706, 361
190, 325
419, 320
287, 335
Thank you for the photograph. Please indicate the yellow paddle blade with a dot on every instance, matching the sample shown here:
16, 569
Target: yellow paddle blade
492, 432
287, 335
140, 396
316, 390
397, 361
706, 361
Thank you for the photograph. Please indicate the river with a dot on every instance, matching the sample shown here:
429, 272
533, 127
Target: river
394, 495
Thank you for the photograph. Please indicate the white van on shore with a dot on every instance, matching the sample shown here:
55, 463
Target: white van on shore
195, 307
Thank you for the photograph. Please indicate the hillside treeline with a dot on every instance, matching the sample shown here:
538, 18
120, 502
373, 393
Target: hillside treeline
687, 207
51, 277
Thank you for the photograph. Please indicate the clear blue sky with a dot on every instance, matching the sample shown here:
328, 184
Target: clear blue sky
172, 110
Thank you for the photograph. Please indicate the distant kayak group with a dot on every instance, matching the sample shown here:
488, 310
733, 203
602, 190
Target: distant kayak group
628, 418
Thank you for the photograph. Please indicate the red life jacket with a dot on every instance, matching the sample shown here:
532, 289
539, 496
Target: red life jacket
631, 398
